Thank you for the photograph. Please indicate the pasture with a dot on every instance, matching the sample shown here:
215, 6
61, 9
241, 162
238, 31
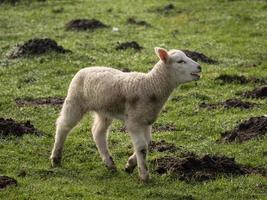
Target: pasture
209, 141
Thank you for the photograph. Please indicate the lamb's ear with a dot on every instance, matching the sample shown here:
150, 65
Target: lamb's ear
162, 54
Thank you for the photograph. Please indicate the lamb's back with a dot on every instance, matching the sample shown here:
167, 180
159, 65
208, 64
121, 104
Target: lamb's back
107, 83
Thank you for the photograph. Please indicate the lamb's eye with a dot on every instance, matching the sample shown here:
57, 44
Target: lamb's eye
180, 61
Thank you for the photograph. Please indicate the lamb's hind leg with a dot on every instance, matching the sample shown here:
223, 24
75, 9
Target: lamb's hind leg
132, 161
70, 114
99, 131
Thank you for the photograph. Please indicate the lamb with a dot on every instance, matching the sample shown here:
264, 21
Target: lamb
133, 97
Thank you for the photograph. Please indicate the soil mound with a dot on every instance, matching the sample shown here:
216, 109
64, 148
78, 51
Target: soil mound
85, 24
162, 146
196, 56
6, 181
206, 168
36, 46
238, 79
129, 45
133, 21
229, 103
260, 92
249, 129
10, 127
53, 101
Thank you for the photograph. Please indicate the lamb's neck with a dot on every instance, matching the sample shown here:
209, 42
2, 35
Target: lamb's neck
161, 81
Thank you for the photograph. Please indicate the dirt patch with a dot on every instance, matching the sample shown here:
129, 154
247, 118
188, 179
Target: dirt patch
236, 103
176, 98
125, 69
53, 101
162, 146
12, 2
22, 173
44, 173
129, 45
6, 181
238, 79
159, 127
133, 21
196, 56
156, 127
167, 9
120, 129
36, 46
85, 24
229, 103
260, 92
9, 127
57, 10
252, 128
225, 78
208, 167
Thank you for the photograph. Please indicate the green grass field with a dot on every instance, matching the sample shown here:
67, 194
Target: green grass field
230, 31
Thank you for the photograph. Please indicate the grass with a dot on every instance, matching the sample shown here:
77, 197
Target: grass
233, 32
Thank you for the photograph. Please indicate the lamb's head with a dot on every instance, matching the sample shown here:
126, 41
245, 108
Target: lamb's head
182, 67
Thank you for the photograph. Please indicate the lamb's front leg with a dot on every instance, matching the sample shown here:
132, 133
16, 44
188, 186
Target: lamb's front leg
132, 161
137, 133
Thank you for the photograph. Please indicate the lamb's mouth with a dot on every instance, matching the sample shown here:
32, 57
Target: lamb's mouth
197, 74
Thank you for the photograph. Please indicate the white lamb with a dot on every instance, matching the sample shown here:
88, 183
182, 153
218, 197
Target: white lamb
135, 98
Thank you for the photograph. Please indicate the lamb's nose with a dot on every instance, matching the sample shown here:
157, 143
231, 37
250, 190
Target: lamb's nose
199, 68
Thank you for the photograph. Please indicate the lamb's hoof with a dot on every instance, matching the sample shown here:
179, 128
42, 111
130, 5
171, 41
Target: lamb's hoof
109, 163
112, 168
55, 162
129, 168
144, 178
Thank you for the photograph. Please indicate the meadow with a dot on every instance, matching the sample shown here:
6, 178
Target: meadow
231, 32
